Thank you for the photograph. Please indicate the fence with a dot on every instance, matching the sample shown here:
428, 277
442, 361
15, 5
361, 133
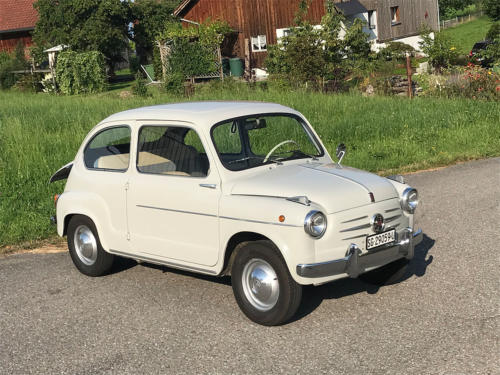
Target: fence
458, 20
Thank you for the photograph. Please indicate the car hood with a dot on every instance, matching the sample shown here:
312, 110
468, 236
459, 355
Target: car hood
334, 187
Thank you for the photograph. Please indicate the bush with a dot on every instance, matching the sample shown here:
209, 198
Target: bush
492, 9
81, 72
174, 84
439, 49
471, 82
139, 87
29, 83
396, 51
134, 64
9, 63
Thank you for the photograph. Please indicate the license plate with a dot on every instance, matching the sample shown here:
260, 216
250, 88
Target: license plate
380, 239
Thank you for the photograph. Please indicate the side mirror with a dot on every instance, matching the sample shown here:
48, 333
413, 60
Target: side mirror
341, 149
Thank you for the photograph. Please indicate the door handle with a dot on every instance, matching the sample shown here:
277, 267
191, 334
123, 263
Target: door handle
209, 186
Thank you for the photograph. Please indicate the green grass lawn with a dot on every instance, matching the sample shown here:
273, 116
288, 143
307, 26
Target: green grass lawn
465, 35
39, 133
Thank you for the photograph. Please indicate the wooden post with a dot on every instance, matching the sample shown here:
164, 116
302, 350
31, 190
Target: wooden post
408, 73
219, 56
248, 70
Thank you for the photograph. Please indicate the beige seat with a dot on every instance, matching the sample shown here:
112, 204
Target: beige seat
119, 161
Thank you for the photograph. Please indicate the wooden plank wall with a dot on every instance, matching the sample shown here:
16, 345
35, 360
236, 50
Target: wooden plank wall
8, 42
252, 18
412, 16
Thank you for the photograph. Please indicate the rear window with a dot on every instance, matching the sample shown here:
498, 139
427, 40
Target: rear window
109, 149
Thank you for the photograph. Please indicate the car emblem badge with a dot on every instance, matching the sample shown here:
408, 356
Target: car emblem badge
377, 223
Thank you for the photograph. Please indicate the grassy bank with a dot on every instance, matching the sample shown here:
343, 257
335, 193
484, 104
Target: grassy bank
465, 35
39, 133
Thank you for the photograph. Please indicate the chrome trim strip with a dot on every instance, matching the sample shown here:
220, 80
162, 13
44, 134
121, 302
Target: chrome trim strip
209, 186
259, 222
392, 218
353, 237
355, 228
162, 262
393, 209
180, 211
358, 218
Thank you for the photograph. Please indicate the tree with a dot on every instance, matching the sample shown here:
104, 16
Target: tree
150, 19
84, 25
448, 7
492, 9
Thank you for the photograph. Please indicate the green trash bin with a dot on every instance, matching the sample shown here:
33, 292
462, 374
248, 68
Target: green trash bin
226, 69
236, 66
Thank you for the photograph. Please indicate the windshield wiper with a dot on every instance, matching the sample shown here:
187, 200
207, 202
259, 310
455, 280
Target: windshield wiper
300, 152
253, 157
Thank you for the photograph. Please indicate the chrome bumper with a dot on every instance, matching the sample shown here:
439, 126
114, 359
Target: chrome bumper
354, 263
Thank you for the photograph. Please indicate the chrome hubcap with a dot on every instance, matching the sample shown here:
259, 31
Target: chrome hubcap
85, 245
260, 284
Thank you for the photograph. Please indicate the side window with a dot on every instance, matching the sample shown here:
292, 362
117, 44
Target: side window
171, 150
109, 149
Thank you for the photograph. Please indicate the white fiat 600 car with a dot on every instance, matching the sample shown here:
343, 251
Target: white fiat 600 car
244, 189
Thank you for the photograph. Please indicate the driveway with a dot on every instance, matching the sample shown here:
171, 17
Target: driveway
443, 318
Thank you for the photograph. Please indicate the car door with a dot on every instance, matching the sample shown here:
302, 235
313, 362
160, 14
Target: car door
173, 196
104, 177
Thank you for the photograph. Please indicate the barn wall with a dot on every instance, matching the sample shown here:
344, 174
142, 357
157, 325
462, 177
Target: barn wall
8, 42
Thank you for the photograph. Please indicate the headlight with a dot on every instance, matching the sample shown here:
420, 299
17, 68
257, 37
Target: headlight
315, 224
409, 200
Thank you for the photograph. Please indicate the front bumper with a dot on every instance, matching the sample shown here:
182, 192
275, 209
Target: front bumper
354, 263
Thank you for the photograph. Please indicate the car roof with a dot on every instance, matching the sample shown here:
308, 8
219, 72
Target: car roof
200, 113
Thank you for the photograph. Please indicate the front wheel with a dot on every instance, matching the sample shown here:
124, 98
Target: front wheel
262, 285
85, 248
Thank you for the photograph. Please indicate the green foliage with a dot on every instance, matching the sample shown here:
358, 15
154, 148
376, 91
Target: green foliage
440, 49
150, 17
494, 32
316, 55
9, 63
134, 64
450, 13
396, 51
139, 87
465, 35
84, 25
448, 8
81, 72
174, 84
492, 9
192, 49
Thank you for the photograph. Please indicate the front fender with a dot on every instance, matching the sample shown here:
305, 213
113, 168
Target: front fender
260, 215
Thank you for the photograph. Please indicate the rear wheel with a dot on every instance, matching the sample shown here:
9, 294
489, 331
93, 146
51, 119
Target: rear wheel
388, 274
262, 285
85, 248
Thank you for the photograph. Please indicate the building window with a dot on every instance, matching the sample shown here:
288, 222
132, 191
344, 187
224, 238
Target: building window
371, 19
395, 15
259, 43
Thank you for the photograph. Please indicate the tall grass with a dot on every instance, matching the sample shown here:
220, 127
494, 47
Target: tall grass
39, 133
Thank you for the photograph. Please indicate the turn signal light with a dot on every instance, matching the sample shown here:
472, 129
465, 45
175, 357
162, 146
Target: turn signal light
56, 197
281, 218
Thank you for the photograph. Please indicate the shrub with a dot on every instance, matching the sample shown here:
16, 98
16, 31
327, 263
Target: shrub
174, 84
139, 87
492, 9
81, 72
494, 31
471, 82
439, 49
29, 83
134, 64
396, 51
9, 63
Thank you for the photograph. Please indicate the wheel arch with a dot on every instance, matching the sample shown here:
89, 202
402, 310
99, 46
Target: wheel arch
235, 242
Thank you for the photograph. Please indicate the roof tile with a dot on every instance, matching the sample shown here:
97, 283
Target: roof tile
17, 14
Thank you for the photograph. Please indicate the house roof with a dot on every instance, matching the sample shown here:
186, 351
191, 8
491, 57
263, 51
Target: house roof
351, 7
17, 15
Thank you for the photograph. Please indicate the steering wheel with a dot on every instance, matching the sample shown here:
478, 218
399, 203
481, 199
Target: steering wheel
277, 146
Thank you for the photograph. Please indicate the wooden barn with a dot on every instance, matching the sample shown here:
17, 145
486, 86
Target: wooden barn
17, 22
263, 22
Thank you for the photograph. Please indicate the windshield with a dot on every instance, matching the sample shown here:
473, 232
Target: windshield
256, 140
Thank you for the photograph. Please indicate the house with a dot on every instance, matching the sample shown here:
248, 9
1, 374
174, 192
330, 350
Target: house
263, 22
17, 22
